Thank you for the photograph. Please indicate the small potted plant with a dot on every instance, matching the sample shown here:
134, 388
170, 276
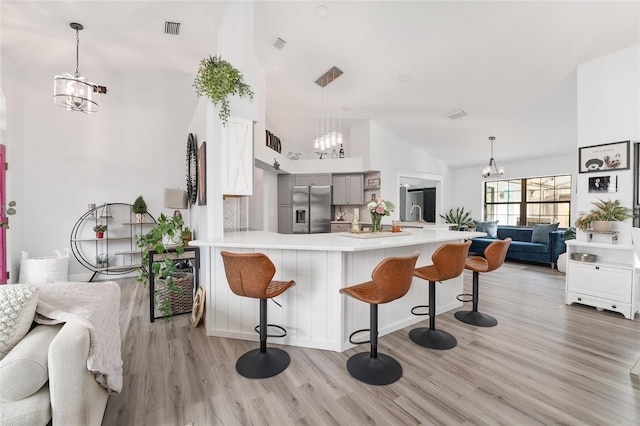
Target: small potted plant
139, 208
459, 220
218, 79
100, 229
601, 218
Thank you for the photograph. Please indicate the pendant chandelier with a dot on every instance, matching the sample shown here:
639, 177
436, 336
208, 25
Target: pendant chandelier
492, 168
74, 92
327, 134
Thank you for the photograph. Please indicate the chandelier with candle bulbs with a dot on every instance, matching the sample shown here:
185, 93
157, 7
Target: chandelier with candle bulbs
492, 168
328, 134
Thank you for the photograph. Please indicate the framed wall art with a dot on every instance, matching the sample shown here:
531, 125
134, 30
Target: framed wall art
609, 156
603, 184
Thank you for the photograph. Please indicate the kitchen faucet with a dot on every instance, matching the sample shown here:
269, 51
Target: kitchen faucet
419, 211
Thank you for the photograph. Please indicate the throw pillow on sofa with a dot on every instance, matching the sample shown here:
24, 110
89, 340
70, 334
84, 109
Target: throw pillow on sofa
540, 233
490, 227
17, 308
25, 369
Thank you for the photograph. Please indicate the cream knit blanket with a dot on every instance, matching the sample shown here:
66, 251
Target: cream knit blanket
97, 307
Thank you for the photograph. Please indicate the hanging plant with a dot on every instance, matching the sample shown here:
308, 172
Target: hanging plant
217, 79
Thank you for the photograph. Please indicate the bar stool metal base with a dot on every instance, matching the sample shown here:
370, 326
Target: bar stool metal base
381, 370
476, 318
432, 339
260, 365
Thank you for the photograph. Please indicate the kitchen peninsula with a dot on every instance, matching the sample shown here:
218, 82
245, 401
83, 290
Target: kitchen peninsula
314, 313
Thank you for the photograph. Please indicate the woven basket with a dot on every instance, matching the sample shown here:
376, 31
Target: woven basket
49, 269
179, 303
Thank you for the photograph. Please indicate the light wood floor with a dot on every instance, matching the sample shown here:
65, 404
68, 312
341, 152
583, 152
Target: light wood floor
545, 363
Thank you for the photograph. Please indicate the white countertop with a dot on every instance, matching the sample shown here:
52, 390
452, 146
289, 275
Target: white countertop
332, 241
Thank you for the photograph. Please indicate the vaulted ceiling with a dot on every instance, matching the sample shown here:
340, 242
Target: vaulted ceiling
511, 66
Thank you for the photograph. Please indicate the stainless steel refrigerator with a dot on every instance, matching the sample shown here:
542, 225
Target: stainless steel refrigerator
311, 209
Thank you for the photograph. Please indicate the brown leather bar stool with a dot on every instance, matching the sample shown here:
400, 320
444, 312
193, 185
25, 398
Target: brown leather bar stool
391, 280
493, 258
448, 262
250, 275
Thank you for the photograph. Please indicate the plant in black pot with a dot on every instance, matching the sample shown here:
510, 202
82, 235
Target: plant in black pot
165, 237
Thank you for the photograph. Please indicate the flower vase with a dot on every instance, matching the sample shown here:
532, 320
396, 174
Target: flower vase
375, 222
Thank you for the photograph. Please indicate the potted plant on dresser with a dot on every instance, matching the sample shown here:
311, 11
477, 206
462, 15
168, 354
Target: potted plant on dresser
167, 236
601, 218
100, 229
139, 208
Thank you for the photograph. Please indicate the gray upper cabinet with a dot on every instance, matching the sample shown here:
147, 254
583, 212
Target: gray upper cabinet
348, 189
285, 189
322, 179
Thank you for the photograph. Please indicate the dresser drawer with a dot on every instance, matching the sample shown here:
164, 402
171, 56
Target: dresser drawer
600, 281
340, 227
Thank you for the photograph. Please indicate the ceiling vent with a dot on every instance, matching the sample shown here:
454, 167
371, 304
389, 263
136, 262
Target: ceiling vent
326, 78
172, 28
456, 114
279, 43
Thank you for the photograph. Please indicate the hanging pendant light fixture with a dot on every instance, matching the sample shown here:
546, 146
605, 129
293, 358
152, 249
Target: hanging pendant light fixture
74, 92
330, 136
492, 168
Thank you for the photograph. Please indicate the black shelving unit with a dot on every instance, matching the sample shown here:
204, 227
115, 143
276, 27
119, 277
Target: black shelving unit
120, 239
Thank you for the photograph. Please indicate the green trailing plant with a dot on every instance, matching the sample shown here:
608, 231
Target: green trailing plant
165, 234
100, 228
218, 79
608, 211
139, 205
459, 219
569, 234
8, 210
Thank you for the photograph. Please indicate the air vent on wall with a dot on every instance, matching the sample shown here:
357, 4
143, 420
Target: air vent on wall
279, 43
172, 28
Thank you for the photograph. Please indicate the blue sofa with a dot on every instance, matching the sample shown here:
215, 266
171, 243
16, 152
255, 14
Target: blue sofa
521, 248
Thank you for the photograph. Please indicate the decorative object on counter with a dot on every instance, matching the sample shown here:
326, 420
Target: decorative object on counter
5, 211
608, 156
294, 155
139, 208
341, 153
340, 214
334, 155
492, 169
377, 209
175, 199
355, 226
276, 165
321, 154
602, 217
459, 219
102, 260
218, 79
396, 226
330, 136
273, 142
100, 229
192, 168
373, 182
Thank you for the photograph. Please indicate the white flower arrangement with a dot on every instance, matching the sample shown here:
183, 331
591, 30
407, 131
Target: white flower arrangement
381, 207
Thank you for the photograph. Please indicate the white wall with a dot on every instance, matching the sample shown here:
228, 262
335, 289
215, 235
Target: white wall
466, 184
135, 144
609, 111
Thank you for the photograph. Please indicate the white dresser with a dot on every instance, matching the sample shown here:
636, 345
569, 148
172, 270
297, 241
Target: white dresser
612, 282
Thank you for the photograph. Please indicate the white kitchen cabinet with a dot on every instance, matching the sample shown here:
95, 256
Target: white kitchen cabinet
348, 189
320, 179
237, 157
612, 282
340, 227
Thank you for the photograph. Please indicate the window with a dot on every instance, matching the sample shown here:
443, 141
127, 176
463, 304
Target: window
526, 202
